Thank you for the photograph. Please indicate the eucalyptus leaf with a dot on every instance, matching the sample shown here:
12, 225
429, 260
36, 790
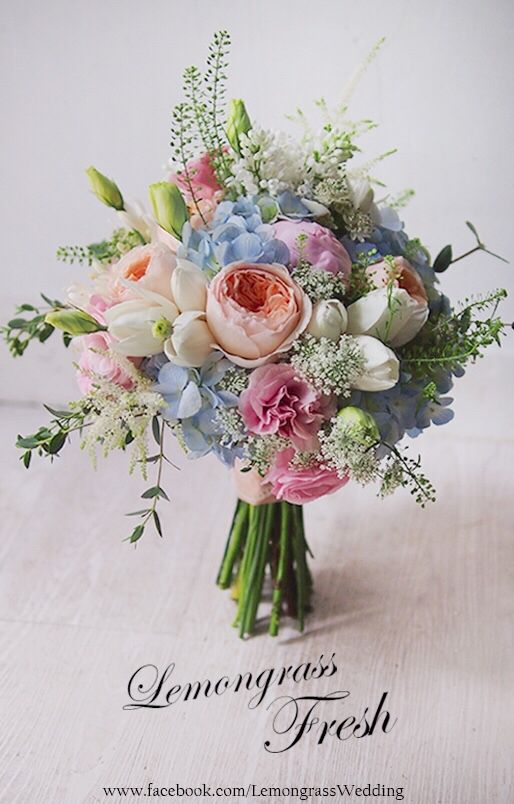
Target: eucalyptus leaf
443, 260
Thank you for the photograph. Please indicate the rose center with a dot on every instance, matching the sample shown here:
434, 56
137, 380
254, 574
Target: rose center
257, 293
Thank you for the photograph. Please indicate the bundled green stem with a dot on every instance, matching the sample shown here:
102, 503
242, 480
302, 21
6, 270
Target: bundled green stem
270, 538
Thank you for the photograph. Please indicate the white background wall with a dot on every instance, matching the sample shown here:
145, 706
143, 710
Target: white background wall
94, 82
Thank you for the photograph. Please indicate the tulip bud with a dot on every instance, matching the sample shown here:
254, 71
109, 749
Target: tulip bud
105, 189
189, 286
362, 424
74, 322
169, 207
381, 369
238, 123
328, 320
191, 341
361, 194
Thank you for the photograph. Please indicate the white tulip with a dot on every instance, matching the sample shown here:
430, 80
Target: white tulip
328, 320
191, 341
140, 326
390, 314
361, 193
189, 286
381, 366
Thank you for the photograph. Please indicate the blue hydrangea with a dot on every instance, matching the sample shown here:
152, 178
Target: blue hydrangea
236, 232
192, 398
395, 243
404, 410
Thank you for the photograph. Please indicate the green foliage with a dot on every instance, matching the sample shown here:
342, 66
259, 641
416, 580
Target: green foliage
30, 325
48, 441
401, 470
450, 342
443, 260
201, 117
155, 492
105, 252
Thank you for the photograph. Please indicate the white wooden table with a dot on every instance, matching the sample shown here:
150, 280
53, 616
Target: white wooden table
416, 603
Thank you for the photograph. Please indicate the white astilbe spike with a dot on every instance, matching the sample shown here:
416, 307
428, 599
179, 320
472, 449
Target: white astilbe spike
359, 72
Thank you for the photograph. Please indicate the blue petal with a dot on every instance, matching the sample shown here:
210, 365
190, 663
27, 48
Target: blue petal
190, 401
292, 206
443, 416
172, 379
245, 247
170, 412
276, 251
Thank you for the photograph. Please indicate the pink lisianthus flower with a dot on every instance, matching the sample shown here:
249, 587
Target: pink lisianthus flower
201, 178
95, 362
321, 247
277, 401
299, 485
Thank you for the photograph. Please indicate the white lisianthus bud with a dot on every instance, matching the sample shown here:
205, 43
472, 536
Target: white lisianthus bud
391, 314
328, 320
189, 286
139, 326
191, 341
381, 366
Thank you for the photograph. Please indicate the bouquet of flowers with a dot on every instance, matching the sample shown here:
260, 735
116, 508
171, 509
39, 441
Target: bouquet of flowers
271, 309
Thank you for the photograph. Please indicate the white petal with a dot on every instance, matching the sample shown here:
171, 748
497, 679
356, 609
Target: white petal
191, 341
189, 286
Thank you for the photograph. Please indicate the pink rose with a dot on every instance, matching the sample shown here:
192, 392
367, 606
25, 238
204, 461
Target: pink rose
404, 276
150, 266
277, 401
256, 311
321, 247
296, 484
94, 361
201, 177
250, 486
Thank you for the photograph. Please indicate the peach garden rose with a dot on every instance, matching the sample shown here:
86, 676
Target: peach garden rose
255, 312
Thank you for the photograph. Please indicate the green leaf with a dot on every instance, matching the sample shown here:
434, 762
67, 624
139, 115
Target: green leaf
151, 493
59, 414
492, 254
156, 429
26, 459
162, 494
17, 323
473, 229
138, 513
157, 523
137, 533
443, 260
57, 443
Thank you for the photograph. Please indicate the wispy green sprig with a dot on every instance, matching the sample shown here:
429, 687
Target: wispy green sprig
29, 325
105, 252
450, 342
154, 493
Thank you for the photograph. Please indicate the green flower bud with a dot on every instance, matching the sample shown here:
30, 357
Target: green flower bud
238, 123
169, 207
105, 189
74, 322
361, 422
162, 329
